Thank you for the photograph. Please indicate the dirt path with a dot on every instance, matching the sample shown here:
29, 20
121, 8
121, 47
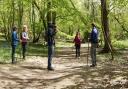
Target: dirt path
70, 73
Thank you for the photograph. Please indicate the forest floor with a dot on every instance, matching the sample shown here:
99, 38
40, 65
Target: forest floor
69, 73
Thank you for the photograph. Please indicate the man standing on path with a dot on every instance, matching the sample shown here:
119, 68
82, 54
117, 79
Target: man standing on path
94, 41
14, 43
51, 31
51, 43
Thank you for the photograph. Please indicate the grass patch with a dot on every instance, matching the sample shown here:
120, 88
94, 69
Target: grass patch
64, 44
119, 57
32, 50
121, 44
37, 50
5, 55
5, 52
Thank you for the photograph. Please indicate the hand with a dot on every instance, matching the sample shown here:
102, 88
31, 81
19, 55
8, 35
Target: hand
89, 39
20, 40
27, 38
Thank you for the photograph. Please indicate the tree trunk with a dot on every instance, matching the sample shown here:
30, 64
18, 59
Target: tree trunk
33, 22
43, 20
13, 12
93, 11
105, 27
20, 15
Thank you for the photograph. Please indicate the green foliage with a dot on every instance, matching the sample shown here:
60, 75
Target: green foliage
5, 55
64, 44
37, 50
121, 44
32, 50
71, 16
62, 35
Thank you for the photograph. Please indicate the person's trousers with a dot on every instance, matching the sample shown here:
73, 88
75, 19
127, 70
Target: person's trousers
50, 55
77, 50
13, 53
24, 48
93, 53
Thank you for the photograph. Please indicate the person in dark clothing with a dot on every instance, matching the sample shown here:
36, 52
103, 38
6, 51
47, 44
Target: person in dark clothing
94, 41
51, 44
24, 39
14, 43
77, 41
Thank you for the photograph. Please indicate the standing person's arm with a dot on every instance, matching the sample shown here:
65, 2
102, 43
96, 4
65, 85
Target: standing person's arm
15, 37
97, 36
80, 40
91, 36
27, 36
24, 35
73, 40
12, 36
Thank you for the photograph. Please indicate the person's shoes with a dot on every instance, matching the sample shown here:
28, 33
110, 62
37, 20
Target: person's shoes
92, 65
78, 57
24, 58
50, 69
13, 62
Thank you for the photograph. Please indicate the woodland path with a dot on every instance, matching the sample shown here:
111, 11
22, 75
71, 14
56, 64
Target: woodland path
70, 73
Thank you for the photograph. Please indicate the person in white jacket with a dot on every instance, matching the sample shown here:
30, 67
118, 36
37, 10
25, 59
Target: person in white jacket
24, 39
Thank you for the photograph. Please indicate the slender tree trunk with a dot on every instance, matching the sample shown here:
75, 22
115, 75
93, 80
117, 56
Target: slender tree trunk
88, 4
13, 12
42, 13
121, 24
5, 28
33, 21
20, 15
93, 11
105, 27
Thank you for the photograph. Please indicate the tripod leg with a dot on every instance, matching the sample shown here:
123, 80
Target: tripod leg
88, 53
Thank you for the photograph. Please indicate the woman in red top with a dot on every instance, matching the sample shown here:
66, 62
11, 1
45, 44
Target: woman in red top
77, 41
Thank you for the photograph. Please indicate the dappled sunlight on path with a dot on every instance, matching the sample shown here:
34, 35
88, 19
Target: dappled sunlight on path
70, 73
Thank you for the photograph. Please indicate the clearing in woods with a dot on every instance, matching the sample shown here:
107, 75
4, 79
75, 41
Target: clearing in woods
70, 73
